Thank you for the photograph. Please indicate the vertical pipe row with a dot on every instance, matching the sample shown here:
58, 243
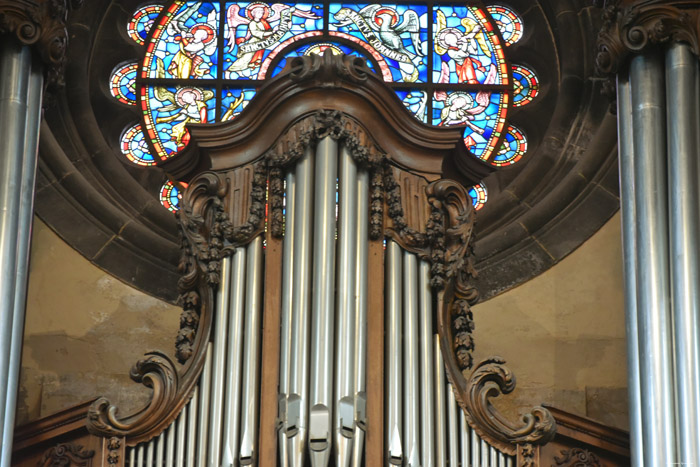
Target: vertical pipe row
440, 414
682, 123
361, 278
394, 387
344, 417
251, 352
411, 380
321, 386
233, 359
629, 222
652, 261
286, 313
427, 397
299, 353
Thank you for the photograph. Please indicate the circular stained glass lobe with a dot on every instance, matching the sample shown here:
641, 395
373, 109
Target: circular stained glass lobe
509, 23
141, 22
170, 196
479, 196
122, 83
513, 149
134, 147
526, 86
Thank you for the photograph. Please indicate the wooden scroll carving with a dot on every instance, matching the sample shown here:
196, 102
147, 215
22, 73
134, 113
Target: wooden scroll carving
450, 232
208, 235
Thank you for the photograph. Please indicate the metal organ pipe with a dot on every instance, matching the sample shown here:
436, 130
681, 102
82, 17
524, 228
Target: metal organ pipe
411, 369
192, 407
203, 418
286, 313
344, 419
361, 278
299, 354
394, 387
233, 358
251, 352
427, 424
440, 415
452, 424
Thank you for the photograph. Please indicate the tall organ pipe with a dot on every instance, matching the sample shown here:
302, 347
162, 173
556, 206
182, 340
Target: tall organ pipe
321, 389
427, 398
411, 369
181, 443
361, 278
251, 352
192, 408
203, 415
395, 391
344, 420
452, 424
440, 415
233, 358
299, 352
286, 313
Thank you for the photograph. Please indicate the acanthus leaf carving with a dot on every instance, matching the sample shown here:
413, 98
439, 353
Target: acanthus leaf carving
632, 29
67, 455
577, 457
42, 25
326, 69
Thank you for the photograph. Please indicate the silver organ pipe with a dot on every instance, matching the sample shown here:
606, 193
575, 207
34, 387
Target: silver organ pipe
181, 441
411, 370
218, 365
344, 419
251, 352
233, 359
170, 447
203, 419
160, 450
192, 407
149, 452
440, 414
299, 357
453, 415
427, 398
464, 435
394, 390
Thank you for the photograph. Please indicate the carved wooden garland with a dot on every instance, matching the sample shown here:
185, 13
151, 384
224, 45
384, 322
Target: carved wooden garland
450, 232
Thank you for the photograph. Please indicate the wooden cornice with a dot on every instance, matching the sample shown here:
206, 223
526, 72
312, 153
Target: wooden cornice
50, 427
335, 83
582, 429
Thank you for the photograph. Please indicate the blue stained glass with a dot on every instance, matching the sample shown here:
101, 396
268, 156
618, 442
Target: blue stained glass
319, 48
415, 102
188, 47
254, 30
233, 101
463, 50
397, 32
479, 196
479, 111
172, 108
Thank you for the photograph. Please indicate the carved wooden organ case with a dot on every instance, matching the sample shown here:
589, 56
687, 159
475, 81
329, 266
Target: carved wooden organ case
326, 288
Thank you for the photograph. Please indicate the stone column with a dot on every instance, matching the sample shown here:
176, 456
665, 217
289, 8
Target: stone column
651, 48
33, 41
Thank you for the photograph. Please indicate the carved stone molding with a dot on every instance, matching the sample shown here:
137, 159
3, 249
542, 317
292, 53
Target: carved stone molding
630, 29
42, 25
67, 455
577, 457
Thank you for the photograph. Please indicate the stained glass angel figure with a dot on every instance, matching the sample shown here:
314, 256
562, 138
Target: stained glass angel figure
380, 26
463, 47
262, 33
189, 106
194, 41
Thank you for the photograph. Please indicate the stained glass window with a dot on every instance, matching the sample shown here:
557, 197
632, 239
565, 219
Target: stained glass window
134, 147
479, 196
525, 85
513, 149
446, 61
508, 22
123, 83
141, 22
170, 195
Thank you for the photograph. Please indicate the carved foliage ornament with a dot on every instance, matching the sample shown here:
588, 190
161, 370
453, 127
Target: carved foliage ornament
632, 29
66, 455
41, 24
449, 231
577, 457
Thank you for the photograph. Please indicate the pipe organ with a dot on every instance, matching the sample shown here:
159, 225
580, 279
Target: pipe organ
326, 293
